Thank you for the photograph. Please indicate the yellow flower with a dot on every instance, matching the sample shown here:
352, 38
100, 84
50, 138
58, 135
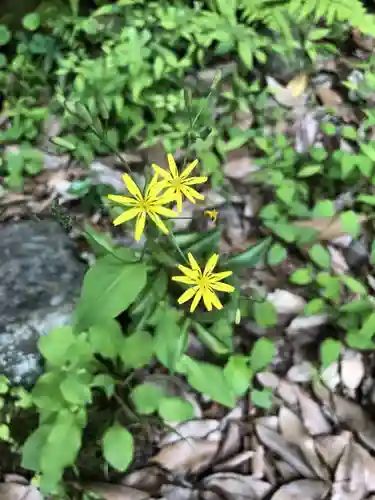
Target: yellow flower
180, 184
203, 284
212, 214
150, 205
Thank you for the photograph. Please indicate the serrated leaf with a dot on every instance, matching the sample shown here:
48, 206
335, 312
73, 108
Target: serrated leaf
118, 447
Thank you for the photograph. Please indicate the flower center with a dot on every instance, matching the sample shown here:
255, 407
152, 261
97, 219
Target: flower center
176, 183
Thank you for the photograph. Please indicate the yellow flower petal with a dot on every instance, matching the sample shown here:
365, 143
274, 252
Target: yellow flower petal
179, 201
191, 193
215, 300
122, 200
207, 300
167, 197
161, 171
125, 216
140, 226
132, 187
184, 279
196, 300
190, 292
172, 166
220, 276
158, 222
212, 214
193, 263
193, 274
166, 212
191, 166
153, 188
222, 287
211, 264
195, 180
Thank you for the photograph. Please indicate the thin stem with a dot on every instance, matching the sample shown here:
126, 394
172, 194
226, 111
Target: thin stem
177, 246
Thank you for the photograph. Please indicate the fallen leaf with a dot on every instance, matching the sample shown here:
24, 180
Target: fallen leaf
115, 491
197, 429
284, 95
327, 228
352, 370
147, 479
240, 486
187, 456
312, 416
349, 481
298, 84
331, 448
15, 491
286, 302
239, 164
308, 489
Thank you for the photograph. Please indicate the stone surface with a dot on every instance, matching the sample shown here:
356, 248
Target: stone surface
40, 277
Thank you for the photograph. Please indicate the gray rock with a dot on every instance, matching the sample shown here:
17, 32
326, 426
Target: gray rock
40, 278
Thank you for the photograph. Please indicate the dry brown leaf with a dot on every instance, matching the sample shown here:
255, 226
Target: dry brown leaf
147, 479
187, 456
352, 370
15, 491
234, 462
331, 448
279, 445
115, 491
329, 97
231, 441
349, 483
307, 489
239, 164
328, 228
172, 492
286, 471
286, 302
312, 416
241, 487
284, 95
197, 429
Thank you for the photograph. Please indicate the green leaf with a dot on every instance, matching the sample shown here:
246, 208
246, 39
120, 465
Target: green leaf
63, 143
55, 346
33, 448
366, 198
106, 292
302, 276
330, 350
320, 256
262, 399
4, 432
310, 170
314, 306
354, 285
100, 242
175, 409
118, 447
216, 344
262, 354
324, 208
252, 256
5, 35
201, 375
238, 374
75, 390
276, 255
287, 232
4, 384
31, 21
147, 397
137, 349
369, 150
368, 328
170, 339
105, 382
265, 314
350, 223
106, 338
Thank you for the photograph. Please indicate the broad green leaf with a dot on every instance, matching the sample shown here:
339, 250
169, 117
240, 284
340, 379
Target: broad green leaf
354, 285
238, 374
309, 171
118, 447
262, 399
175, 409
350, 223
251, 257
314, 306
302, 276
170, 340
4, 432
369, 150
137, 349
33, 448
147, 397
357, 341
55, 346
109, 288
209, 380
276, 254
262, 354
320, 256
265, 314
287, 232
31, 21
105, 382
324, 208
330, 350
4, 384
100, 242
368, 328
367, 198
63, 143
106, 338
75, 390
